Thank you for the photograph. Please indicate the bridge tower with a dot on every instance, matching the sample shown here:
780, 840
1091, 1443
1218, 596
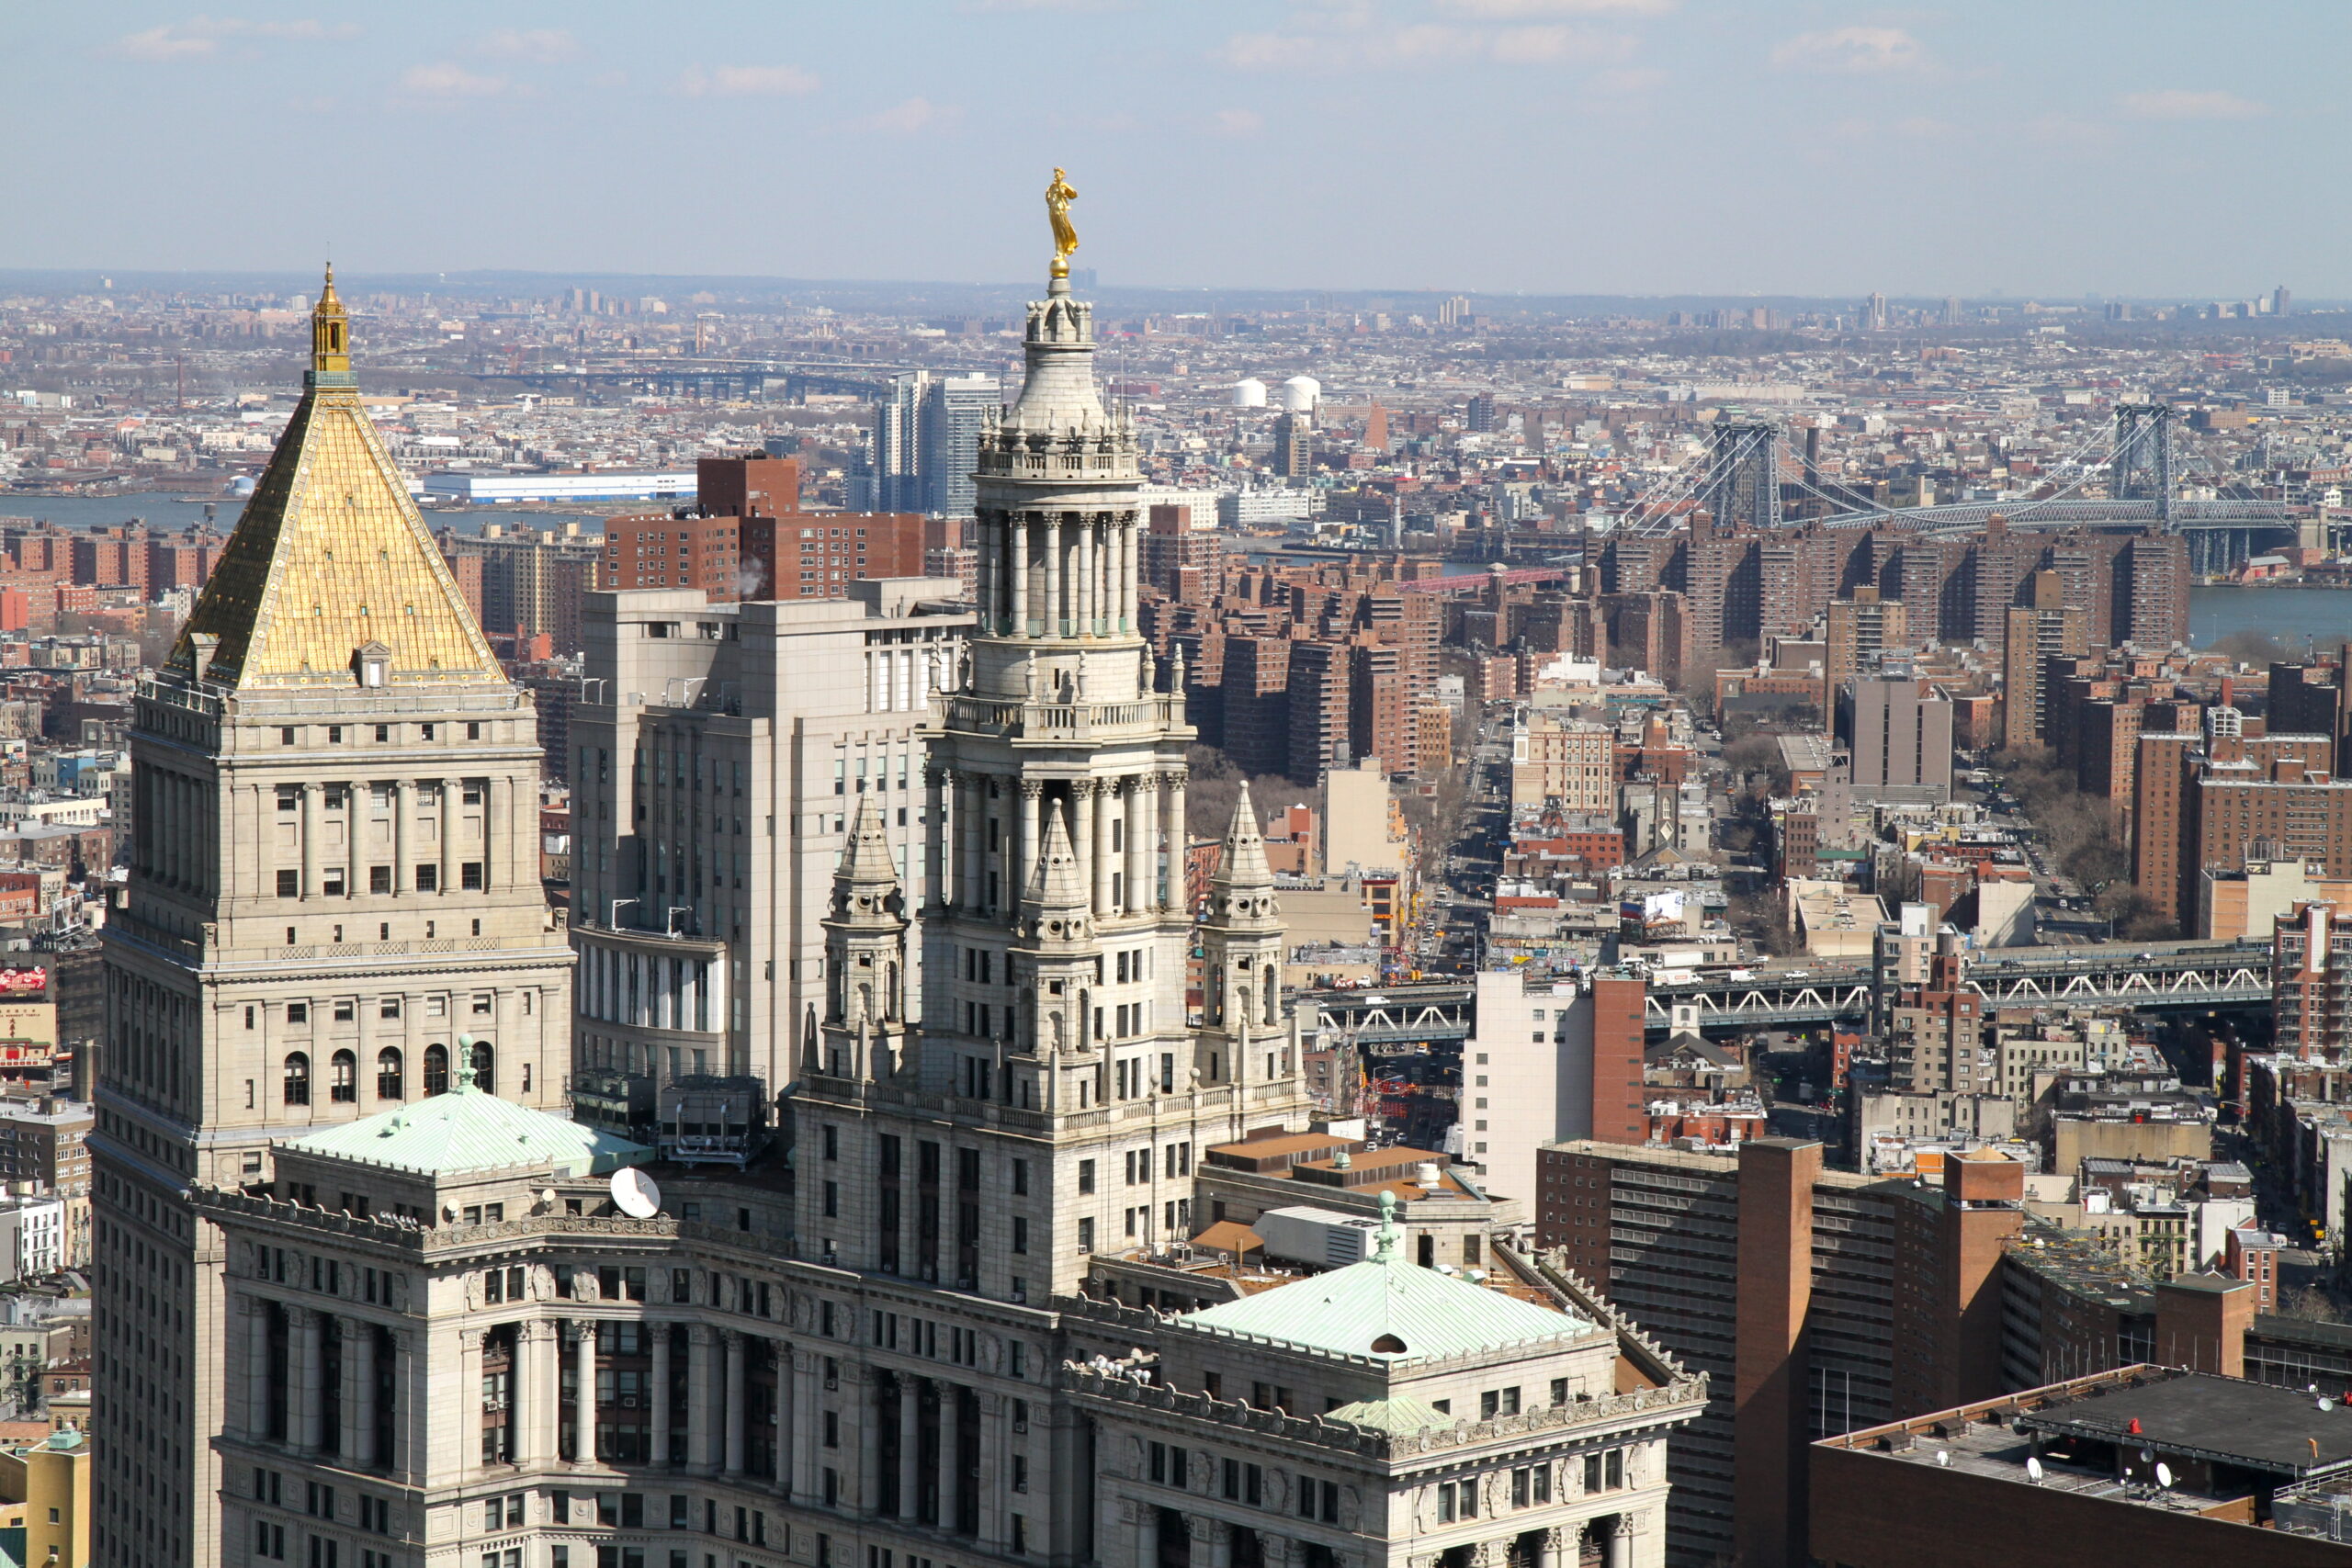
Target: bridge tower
1743, 483
2142, 468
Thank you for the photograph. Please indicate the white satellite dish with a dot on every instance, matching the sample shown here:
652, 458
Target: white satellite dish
634, 1194
1943, 1456
2164, 1476
2034, 1471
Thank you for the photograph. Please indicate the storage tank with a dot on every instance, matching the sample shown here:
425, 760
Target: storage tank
1301, 393
1249, 393
1307, 1234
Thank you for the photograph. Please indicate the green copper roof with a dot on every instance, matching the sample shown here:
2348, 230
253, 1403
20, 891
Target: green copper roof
1400, 1413
467, 1130
1387, 1307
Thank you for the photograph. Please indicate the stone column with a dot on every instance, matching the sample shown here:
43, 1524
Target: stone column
737, 1392
357, 803
1623, 1547
804, 1415
659, 1451
1031, 792
938, 851
1130, 531
1144, 1518
1106, 795
786, 1404
1172, 810
1220, 1544
359, 1392
951, 1457
1056, 607
909, 1446
1547, 1549
258, 1380
403, 807
497, 809
995, 1466
308, 1432
310, 839
865, 1408
1198, 1530
538, 1393
406, 1407
972, 832
1278, 1550
1018, 523
584, 1408
1143, 815
1091, 553
468, 1402
701, 1388
453, 791
1081, 829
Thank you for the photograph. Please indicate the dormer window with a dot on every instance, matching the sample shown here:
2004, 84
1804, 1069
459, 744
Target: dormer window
373, 662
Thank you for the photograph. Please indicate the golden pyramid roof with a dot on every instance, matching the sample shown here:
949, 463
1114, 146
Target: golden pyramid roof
331, 554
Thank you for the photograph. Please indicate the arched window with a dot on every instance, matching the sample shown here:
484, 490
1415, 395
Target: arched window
436, 1070
342, 1077
388, 1074
297, 1080
483, 1080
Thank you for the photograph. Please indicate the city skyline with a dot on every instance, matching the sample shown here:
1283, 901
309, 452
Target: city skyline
1557, 147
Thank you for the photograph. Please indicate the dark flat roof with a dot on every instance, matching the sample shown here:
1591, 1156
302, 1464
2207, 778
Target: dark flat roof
2255, 1426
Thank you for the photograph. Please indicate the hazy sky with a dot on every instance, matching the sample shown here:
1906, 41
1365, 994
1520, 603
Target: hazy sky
2050, 147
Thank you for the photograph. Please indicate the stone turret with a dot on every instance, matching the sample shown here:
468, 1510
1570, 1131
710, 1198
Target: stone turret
1241, 960
864, 1034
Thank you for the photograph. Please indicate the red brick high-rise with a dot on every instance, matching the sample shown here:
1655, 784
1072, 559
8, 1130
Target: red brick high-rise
753, 485
660, 550
816, 555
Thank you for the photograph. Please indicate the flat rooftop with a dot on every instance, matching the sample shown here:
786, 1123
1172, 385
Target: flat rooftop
2251, 1424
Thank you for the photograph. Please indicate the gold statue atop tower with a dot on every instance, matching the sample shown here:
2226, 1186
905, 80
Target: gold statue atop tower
1059, 196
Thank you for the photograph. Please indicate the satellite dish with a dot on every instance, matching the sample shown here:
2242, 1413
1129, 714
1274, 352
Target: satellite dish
2034, 1471
2146, 1455
2164, 1476
1943, 1456
634, 1194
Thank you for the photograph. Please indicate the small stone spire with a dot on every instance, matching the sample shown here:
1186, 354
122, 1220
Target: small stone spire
1057, 886
866, 882
1242, 865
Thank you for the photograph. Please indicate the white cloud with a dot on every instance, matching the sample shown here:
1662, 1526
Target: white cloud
163, 43
747, 80
1424, 44
200, 36
446, 79
1859, 50
1236, 122
544, 45
2177, 103
1515, 10
912, 117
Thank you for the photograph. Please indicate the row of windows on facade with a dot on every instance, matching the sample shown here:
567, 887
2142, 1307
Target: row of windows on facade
386, 734
343, 1074
335, 883
381, 797
346, 1009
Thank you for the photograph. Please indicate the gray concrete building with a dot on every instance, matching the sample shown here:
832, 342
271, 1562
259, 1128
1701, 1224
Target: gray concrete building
719, 756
